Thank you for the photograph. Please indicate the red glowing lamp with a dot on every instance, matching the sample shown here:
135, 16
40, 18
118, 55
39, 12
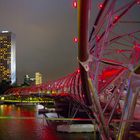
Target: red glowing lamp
116, 17
74, 4
100, 5
75, 39
97, 38
78, 71
138, 2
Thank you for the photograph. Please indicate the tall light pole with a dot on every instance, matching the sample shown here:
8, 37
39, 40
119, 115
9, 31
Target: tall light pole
83, 55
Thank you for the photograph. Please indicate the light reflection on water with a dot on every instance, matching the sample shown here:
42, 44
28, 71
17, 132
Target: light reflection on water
26, 124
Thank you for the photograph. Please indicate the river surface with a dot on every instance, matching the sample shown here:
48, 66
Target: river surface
24, 123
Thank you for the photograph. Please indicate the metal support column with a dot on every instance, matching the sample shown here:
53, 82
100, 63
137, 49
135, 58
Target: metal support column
83, 22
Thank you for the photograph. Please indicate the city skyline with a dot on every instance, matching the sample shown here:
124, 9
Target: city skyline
44, 42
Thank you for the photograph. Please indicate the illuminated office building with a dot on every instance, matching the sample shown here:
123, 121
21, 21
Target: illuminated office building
38, 78
7, 57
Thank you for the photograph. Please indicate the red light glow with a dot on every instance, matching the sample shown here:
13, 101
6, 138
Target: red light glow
97, 38
100, 5
116, 17
78, 70
109, 73
120, 51
75, 4
138, 2
75, 40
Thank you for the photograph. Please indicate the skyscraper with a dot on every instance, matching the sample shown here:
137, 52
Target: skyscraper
7, 57
38, 78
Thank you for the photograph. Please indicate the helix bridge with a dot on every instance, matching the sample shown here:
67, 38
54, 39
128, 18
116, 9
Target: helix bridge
106, 86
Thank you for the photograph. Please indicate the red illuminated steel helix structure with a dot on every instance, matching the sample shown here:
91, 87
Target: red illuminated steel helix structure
107, 83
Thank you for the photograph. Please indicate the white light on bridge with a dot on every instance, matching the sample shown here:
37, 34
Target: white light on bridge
5, 31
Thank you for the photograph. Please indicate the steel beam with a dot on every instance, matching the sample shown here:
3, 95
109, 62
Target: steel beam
130, 104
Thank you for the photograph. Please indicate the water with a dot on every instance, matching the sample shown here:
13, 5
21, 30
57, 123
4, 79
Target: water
24, 123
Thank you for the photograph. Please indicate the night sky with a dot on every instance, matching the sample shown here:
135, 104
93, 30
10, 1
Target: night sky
44, 35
